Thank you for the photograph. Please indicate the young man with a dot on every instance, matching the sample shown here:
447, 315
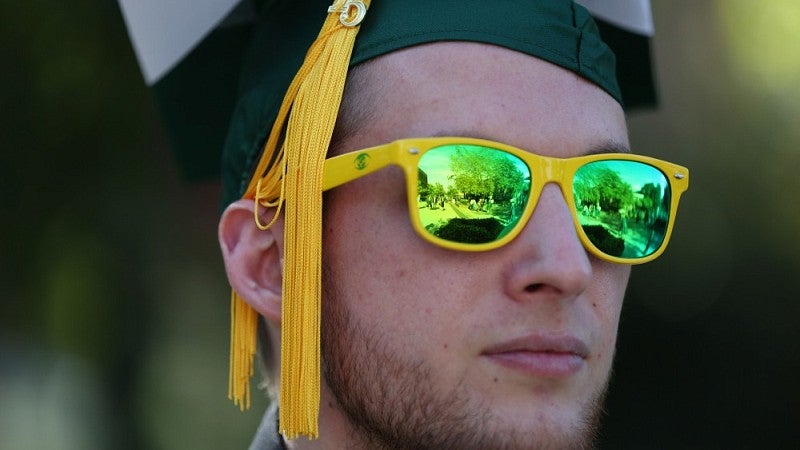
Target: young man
440, 339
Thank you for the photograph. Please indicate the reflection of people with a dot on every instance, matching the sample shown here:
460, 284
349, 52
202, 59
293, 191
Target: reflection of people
423, 347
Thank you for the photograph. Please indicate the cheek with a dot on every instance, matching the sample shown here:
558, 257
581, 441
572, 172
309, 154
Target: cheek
608, 292
370, 246
361, 215
389, 276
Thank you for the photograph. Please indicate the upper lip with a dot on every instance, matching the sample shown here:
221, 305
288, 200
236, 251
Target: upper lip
541, 343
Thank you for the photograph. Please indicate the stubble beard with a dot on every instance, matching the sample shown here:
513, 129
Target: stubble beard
390, 402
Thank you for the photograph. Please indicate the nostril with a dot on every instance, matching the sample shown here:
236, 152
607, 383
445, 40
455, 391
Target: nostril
533, 287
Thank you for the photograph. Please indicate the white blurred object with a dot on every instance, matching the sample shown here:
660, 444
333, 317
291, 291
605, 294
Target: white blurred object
50, 402
632, 15
164, 32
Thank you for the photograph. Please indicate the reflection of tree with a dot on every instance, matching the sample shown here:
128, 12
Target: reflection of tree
654, 211
452, 192
599, 185
436, 189
654, 201
651, 195
484, 173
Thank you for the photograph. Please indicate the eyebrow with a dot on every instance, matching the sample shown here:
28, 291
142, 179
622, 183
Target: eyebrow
605, 146
609, 146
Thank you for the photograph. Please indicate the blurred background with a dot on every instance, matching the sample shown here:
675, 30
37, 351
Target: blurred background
114, 304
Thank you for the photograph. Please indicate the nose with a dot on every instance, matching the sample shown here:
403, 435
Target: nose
548, 259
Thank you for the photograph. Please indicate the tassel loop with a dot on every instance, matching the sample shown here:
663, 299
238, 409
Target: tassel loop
351, 13
262, 194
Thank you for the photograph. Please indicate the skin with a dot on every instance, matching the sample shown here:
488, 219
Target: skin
431, 348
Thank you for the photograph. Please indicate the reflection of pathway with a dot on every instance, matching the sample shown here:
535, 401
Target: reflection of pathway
450, 211
457, 210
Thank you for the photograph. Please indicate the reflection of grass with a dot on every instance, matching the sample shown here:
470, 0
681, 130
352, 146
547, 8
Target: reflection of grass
473, 231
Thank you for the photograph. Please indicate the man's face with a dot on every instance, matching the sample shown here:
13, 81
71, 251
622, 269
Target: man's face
428, 347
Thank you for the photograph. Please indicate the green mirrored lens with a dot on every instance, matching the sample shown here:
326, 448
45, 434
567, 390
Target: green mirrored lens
471, 194
622, 206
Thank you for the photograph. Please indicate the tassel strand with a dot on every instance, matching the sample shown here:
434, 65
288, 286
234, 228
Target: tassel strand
311, 105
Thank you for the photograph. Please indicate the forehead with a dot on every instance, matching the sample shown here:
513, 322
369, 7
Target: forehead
473, 89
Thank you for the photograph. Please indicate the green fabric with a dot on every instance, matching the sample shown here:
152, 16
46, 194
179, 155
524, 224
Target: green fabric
196, 98
554, 30
634, 71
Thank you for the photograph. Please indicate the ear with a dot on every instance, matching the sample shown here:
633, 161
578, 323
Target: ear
253, 257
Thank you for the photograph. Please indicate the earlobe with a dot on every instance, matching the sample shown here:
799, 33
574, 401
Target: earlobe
253, 257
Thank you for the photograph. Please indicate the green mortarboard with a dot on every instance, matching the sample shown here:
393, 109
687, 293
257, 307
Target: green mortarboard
557, 31
196, 95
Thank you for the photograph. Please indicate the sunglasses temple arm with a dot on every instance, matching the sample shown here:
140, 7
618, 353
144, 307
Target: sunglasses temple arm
350, 166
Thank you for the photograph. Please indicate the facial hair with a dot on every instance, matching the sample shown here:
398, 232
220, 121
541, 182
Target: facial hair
388, 397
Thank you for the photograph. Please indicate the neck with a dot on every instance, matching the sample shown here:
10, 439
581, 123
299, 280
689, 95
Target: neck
335, 430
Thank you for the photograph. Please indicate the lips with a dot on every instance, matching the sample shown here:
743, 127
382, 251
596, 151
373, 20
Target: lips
540, 355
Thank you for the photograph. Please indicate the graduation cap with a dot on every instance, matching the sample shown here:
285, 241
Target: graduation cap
229, 75
192, 52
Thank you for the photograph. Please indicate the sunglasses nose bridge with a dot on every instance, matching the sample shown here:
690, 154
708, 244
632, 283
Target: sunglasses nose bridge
546, 170
552, 171
555, 171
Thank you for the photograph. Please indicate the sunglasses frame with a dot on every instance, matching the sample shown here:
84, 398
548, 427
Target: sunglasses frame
406, 154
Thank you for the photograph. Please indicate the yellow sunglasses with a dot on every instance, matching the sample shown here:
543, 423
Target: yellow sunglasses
474, 195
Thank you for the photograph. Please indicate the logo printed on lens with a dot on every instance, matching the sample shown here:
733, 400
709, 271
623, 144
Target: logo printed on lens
361, 161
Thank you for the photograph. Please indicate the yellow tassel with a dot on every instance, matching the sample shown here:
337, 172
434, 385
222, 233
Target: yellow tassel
244, 321
313, 99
